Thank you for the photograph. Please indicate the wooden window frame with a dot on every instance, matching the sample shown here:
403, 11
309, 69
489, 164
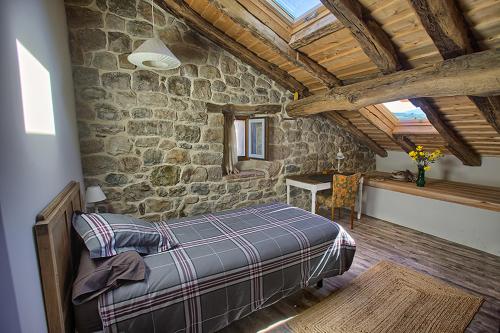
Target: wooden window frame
266, 138
244, 118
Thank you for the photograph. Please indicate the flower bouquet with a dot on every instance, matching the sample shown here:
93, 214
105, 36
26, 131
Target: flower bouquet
423, 159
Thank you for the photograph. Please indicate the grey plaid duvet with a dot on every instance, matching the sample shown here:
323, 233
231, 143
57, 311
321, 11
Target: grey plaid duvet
227, 265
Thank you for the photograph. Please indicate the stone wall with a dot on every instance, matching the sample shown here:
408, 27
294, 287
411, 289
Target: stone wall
146, 137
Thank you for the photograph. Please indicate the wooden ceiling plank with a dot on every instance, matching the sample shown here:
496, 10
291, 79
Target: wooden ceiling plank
259, 30
448, 29
372, 39
362, 137
182, 10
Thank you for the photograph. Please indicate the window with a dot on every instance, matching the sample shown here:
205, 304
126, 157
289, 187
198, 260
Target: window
296, 8
257, 138
251, 138
404, 110
240, 125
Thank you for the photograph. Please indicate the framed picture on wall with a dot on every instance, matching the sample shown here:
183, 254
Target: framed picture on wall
257, 138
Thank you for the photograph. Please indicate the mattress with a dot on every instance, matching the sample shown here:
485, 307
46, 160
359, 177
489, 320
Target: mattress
227, 266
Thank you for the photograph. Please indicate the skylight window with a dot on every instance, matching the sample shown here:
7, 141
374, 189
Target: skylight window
297, 8
404, 110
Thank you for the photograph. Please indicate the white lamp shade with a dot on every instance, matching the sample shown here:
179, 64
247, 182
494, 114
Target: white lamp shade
94, 194
153, 54
340, 155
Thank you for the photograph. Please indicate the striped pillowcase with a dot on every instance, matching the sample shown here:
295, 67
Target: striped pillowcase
106, 235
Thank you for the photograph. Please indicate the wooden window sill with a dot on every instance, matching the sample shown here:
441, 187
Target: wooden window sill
245, 175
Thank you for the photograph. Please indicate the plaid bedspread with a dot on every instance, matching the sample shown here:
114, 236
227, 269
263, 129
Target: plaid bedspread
228, 265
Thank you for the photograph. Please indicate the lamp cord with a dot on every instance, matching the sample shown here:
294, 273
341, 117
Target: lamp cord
153, 16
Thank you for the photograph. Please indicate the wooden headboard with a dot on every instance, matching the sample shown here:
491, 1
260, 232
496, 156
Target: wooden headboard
58, 256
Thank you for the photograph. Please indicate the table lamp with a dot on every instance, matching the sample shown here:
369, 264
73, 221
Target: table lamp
94, 194
340, 156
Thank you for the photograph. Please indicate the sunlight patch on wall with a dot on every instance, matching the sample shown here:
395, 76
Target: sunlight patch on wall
36, 94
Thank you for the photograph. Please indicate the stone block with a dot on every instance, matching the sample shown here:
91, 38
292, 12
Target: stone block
165, 175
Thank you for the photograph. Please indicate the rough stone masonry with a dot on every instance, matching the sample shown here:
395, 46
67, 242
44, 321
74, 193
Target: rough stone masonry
146, 136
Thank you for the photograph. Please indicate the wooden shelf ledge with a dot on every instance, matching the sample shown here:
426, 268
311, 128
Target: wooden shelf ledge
479, 196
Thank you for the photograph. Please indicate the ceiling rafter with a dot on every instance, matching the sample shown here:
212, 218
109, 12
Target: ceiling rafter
401, 140
182, 10
372, 39
357, 133
454, 143
323, 27
240, 15
378, 46
444, 23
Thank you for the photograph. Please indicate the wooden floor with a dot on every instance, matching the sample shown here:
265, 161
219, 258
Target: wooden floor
472, 270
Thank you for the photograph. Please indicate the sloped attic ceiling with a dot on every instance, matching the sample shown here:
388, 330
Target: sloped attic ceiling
317, 51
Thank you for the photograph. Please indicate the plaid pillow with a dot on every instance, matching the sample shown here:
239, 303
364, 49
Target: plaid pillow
106, 235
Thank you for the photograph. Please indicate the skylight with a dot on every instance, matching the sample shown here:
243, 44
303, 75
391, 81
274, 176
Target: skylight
404, 110
297, 8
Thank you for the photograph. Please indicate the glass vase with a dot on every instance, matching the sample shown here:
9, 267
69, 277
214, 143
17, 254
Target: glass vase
421, 176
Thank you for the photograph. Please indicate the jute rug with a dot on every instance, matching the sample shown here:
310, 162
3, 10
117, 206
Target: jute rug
390, 298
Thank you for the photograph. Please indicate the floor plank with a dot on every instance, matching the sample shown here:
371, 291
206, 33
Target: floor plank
470, 269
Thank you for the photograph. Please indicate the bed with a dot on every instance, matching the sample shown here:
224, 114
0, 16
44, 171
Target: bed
228, 265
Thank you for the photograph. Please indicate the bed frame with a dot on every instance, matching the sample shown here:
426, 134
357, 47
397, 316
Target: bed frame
58, 255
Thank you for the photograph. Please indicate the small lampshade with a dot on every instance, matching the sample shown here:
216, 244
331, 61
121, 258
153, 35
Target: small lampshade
340, 155
153, 54
94, 194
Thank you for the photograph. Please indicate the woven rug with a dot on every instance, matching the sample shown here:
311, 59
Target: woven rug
390, 298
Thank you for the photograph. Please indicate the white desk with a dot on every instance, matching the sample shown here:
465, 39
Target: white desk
315, 183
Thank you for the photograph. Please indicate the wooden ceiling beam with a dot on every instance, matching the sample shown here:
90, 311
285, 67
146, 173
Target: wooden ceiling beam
182, 10
490, 108
453, 142
242, 17
404, 142
244, 109
323, 27
357, 133
446, 26
401, 140
475, 74
370, 36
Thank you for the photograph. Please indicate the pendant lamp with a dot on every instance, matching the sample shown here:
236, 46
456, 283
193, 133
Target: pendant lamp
153, 53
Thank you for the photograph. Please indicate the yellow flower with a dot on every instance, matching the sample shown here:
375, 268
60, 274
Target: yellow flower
427, 168
419, 148
412, 154
421, 153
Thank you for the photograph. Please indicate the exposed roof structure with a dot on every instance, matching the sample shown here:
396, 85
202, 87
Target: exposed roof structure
345, 42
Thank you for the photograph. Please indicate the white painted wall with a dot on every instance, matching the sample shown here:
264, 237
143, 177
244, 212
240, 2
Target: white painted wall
474, 227
33, 167
448, 167
470, 226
